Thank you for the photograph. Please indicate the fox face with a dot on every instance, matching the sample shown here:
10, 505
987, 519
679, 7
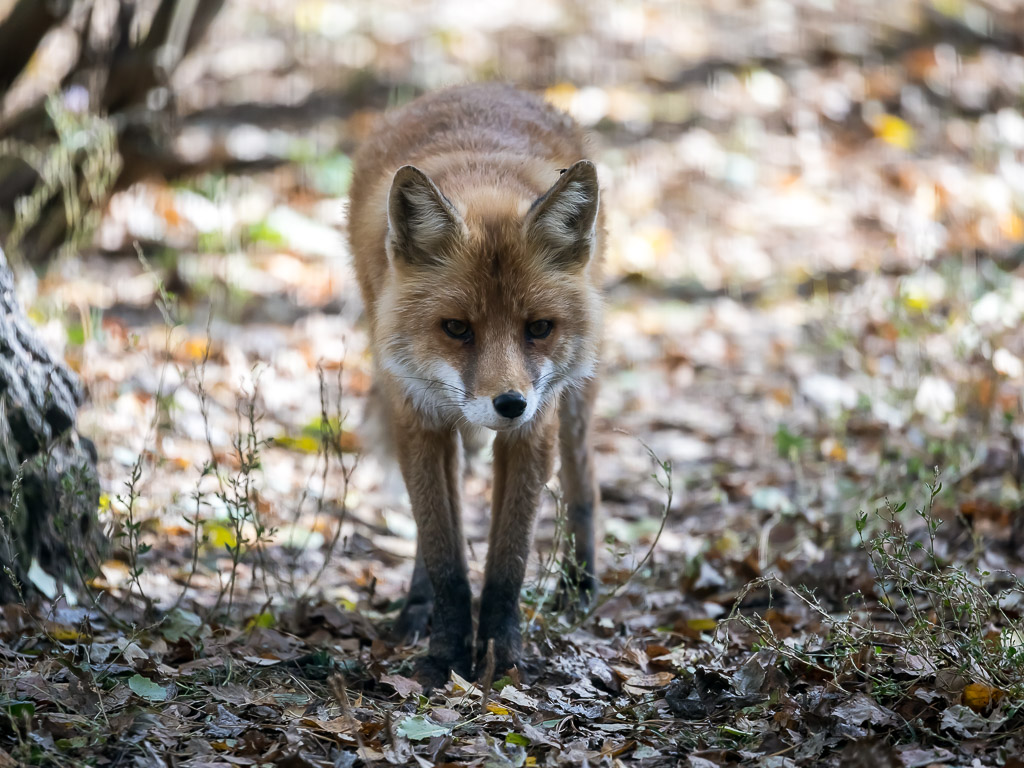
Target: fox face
491, 313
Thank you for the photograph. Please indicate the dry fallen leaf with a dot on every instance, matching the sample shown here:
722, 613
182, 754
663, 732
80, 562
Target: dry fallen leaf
979, 696
405, 686
638, 685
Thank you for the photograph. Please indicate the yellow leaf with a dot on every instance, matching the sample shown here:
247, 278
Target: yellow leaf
309, 15
219, 535
531, 761
979, 696
303, 443
265, 620
701, 625
894, 130
1012, 226
951, 8
497, 709
197, 348
833, 449
63, 633
561, 95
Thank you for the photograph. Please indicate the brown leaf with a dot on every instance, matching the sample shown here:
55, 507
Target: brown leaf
638, 685
539, 735
405, 686
341, 726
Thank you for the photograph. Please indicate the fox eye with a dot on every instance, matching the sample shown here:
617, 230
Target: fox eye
539, 329
457, 329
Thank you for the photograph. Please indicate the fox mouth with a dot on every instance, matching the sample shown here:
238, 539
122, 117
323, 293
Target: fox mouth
509, 425
481, 412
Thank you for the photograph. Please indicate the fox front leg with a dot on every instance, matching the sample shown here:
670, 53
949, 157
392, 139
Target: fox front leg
414, 618
580, 494
431, 465
522, 465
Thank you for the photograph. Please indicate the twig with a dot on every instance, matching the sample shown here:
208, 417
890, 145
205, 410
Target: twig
488, 678
340, 692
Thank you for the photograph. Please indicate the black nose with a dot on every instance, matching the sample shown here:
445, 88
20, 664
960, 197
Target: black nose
510, 404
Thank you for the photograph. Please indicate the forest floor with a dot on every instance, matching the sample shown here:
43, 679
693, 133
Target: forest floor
809, 427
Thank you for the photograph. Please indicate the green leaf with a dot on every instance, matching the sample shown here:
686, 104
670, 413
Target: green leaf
501, 683
261, 232
75, 742
787, 443
518, 739
19, 709
330, 176
265, 619
76, 335
180, 624
147, 689
419, 727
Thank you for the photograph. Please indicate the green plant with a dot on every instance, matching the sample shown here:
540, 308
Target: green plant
557, 568
942, 614
79, 169
943, 607
240, 493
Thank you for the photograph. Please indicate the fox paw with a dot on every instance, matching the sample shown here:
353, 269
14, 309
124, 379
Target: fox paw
411, 624
497, 654
503, 664
576, 593
433, 672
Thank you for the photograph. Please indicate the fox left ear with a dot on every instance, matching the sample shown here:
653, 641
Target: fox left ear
562, 222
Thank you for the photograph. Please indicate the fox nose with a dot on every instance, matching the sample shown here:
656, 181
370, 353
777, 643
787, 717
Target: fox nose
510, 404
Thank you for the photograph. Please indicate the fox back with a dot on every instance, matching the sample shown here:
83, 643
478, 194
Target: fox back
474, 226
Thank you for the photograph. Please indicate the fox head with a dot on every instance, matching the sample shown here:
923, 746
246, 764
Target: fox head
489, 310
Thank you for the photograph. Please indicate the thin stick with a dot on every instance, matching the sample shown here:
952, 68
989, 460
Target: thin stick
488, 679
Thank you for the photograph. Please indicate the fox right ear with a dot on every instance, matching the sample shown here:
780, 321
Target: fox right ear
422, 223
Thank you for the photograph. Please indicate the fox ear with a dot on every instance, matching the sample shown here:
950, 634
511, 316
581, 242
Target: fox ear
561, 223
422, 222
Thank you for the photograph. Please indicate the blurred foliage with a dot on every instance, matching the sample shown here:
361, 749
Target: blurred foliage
76, 171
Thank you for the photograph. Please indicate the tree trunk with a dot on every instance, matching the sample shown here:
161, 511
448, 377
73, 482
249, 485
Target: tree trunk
21, 32
49, 490
119, 78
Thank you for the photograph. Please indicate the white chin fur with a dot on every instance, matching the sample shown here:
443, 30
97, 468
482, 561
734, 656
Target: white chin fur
435, 392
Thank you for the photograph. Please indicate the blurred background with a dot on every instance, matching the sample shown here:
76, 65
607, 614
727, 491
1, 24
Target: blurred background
814, 268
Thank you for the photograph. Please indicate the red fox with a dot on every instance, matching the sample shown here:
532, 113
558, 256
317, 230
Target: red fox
476, 233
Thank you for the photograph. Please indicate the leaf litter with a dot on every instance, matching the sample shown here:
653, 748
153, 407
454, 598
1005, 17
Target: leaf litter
815, 300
